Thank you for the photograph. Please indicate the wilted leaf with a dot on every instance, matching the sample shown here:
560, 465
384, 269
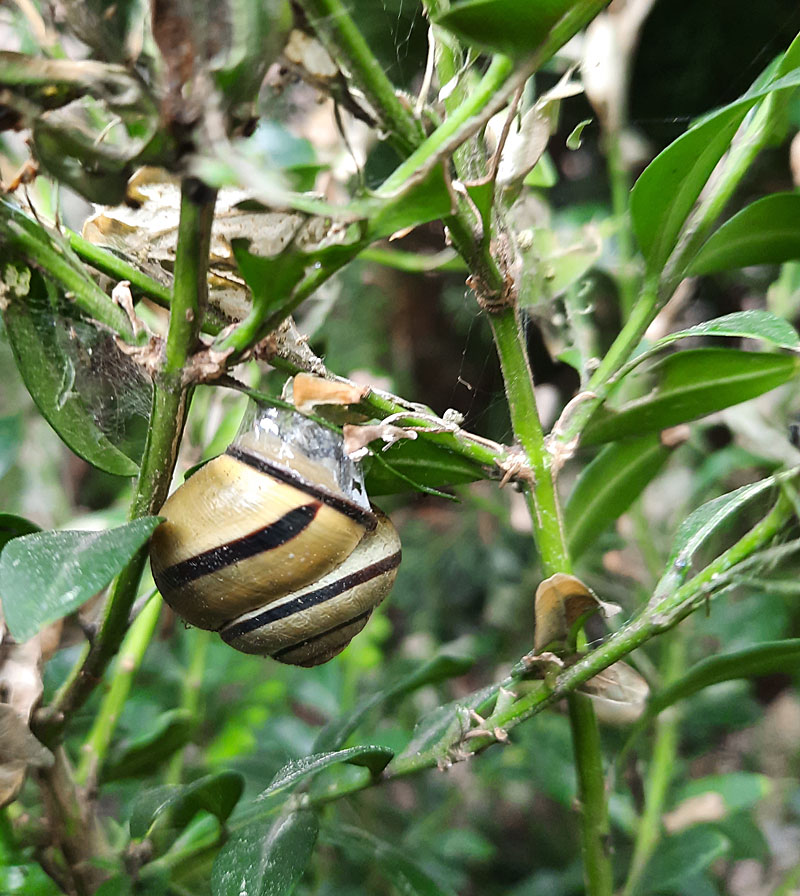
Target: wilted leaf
309, 391
562, 604
619, 694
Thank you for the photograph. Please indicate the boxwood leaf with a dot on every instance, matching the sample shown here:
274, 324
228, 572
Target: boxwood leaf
755, 324
739, 790
170, 732
765, 232
681, 856
46, 575
266, 860
692, 384
395, 863
668, 188
176, 805
375, 758
762, 659
49, 373
12, 526
519, 28
609, 485
10, 438
447, 663
420, 463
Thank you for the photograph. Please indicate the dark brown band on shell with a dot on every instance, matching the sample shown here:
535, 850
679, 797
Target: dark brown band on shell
338, 502
311, 598
283, 530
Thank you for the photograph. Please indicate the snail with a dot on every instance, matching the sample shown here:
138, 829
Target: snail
274, 543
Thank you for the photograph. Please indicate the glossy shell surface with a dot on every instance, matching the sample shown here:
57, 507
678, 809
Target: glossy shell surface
274, 545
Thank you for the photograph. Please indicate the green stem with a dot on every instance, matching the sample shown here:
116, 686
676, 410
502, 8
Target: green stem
548, 531
488, 97
595, 828
344, 41
42, 250
545, 511
158, 460
118, 269
662, 766
629, 337
128, 661
190, 694
141, 284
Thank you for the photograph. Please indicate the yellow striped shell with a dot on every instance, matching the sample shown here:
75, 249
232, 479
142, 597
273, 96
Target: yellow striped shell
274, 543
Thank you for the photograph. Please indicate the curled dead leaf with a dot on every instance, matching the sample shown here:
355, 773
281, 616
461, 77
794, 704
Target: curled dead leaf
562, 604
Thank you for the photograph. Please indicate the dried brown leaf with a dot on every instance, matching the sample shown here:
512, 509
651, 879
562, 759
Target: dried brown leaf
308, 391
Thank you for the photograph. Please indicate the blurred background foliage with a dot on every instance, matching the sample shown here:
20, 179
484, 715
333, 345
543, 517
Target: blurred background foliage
503, 823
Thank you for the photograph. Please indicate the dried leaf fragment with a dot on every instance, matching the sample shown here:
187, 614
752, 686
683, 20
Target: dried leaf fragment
619, 694
357, 438
309, 391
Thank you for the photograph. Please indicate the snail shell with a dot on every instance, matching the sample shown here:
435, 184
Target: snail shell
274, 544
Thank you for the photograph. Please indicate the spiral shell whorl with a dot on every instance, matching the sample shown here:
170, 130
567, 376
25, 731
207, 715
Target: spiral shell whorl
274, 544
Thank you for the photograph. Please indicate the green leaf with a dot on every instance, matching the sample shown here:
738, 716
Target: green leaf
699, 526
666, 191
702, 523
668, 188
50, 253
519, 28
444, 665
762, 659
12, 526
395, 863
444, 727
766, 232
739, 790
682, 856
421, 463
49, 373
418, 203
170, 732
46, 575
575, 137
176, 805
693, 384
374, 758
256, 33
609, 485
266, 860
756, 324
10, 439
